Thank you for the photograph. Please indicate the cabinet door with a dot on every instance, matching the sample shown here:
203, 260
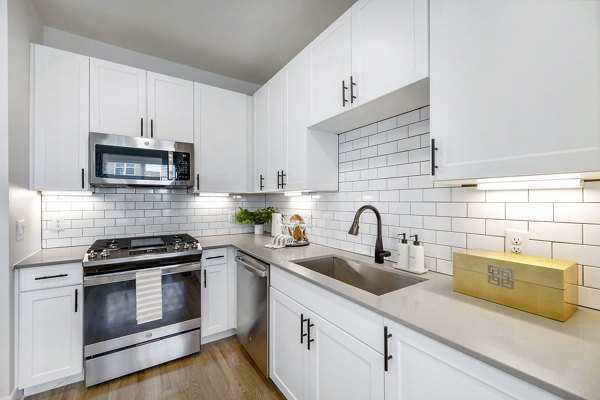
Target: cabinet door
60, 119
295, 78
170, 108
423, 369
214, 299
261, 138
117, 99
390, 46
275, 133
341, 366
329, 58
288, 350
50, 335
220, 139
514, 89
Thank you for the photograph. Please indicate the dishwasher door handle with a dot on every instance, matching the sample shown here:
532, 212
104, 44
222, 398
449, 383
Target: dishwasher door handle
258, 272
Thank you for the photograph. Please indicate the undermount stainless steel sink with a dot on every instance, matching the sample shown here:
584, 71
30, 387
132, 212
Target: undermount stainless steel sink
363, 276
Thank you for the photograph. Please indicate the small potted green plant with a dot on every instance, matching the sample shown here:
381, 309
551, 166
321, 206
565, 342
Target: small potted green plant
259, 218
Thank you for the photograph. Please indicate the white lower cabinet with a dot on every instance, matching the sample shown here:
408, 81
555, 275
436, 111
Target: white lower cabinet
421, 368
314, 359
50, 327
218, 294
214, 299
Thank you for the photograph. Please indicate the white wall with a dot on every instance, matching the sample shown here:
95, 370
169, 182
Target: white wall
5, 298
24, 26
93, 48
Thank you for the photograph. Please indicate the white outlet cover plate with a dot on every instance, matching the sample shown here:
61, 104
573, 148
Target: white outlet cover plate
511, 234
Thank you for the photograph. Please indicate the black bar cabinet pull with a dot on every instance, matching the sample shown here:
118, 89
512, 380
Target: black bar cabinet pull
386, 357
151, 128
279, 186
82, 178
302, 334
76, 299
344, 88
204, 279
352, 84
213, 257
142, 126
262, 180
198, 181
308, 326
433, 150
39, 278
283, 175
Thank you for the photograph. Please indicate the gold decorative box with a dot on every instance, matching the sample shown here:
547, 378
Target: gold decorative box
542, 286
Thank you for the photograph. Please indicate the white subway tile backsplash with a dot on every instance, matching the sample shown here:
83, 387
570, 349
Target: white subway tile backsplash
556, 196
485, 242
556, 232
583, 254
591, 277
498, 227
577, 212
486, 210
506, 196
591, 234
529, 211
468, 225
452, 209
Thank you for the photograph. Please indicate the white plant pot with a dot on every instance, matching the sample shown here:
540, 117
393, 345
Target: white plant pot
259, 229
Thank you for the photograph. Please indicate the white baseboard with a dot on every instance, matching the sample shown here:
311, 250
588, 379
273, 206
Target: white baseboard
218, 336
52, 385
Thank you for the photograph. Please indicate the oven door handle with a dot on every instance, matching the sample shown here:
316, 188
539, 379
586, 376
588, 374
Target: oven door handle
122, 276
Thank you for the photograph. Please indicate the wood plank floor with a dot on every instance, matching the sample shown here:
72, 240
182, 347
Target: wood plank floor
220, 371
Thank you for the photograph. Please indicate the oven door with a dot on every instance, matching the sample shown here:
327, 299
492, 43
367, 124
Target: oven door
110, 308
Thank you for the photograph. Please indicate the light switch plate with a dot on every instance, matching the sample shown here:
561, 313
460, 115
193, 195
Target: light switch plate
20, 229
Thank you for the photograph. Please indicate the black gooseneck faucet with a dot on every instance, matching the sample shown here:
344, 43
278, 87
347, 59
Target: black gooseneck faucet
379, 252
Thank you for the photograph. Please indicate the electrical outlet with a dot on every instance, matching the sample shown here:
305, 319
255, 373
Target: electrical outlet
231, 216
20, 229
516, 241
57, 223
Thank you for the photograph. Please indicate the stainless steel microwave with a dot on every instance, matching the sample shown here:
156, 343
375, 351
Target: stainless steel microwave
117, 160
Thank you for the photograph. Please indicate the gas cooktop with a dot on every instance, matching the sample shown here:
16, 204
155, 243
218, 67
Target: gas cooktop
108, 255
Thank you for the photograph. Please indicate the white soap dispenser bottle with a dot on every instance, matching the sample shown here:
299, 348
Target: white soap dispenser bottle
402, 252
416, 256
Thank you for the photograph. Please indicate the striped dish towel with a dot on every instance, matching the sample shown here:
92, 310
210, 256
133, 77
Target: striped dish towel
148, 295
280, 241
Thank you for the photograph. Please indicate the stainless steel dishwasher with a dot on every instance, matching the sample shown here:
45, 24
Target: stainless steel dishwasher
253, 308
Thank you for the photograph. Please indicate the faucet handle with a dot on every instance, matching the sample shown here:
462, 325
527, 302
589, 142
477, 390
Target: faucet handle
386, 253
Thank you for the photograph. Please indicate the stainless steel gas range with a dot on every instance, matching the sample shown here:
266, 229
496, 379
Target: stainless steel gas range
141, 303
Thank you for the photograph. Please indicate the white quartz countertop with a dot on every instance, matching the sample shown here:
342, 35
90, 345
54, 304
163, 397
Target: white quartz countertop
562, 358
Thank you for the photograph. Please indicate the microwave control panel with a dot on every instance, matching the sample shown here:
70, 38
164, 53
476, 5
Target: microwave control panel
182, 166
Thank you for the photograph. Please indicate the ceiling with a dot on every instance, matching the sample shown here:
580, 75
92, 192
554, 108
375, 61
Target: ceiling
245, 39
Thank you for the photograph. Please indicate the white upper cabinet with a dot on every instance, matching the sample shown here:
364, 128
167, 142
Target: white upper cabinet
60, 119
220, 135
268, 135
515, 87
329, 60
117, 99
310, 158
370, 64
389, 46
170, 108
261, 138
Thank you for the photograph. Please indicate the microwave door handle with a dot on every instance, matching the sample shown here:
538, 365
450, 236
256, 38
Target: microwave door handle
170, 167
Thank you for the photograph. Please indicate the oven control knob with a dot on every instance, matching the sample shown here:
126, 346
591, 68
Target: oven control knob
105, 253
92, 255
186, 246
176, 246
195, 245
